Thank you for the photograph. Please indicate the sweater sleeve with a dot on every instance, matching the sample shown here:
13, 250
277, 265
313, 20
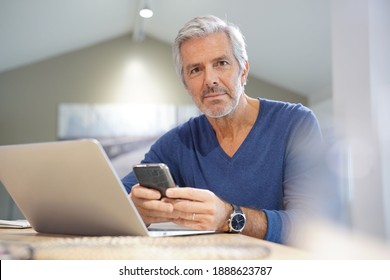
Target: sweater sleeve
301, 164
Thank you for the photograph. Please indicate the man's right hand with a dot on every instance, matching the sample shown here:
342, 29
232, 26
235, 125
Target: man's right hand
149, 205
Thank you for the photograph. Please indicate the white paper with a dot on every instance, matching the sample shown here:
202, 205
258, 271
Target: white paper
14, 224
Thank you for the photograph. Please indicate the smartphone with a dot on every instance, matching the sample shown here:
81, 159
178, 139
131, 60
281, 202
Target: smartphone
155, 176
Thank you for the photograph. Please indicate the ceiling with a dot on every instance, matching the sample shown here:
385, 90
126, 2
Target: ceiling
288, 40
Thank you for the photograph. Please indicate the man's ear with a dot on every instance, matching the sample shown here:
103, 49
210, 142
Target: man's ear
244, 74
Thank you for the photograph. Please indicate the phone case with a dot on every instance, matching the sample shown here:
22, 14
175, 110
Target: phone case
155, 175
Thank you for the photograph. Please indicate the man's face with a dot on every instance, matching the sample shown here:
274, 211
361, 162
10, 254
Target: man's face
212, 74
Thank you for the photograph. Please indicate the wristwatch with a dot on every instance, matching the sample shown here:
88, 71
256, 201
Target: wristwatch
237, 220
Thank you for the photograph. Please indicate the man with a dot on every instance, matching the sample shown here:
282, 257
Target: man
243, 157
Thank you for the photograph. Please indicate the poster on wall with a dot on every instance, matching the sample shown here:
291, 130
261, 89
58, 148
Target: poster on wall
126, 131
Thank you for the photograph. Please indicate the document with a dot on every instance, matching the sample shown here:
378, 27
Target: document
14, 224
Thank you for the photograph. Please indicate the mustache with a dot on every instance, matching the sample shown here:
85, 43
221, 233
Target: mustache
213, 89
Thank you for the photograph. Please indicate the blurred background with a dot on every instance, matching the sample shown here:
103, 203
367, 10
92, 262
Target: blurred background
66, 67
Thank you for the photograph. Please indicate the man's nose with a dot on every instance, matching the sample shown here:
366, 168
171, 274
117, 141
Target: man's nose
211, 77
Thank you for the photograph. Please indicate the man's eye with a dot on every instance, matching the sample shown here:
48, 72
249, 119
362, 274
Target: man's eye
222, 63
194, 70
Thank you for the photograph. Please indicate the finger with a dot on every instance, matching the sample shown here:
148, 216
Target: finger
188, 193
189, 206
145, 193
152, 205
199, 223
157, 216
192, 217
149, 218
154, 211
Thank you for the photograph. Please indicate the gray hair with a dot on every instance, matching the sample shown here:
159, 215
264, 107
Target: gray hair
204, 26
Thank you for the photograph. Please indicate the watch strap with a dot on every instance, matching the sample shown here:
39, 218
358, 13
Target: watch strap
236, 209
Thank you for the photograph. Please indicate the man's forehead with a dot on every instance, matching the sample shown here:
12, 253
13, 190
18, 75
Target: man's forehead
215, 44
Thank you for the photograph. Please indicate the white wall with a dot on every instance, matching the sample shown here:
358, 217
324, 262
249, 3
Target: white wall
359, 110
379, 14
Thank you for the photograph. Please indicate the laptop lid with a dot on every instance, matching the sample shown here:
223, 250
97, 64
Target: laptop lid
70, 187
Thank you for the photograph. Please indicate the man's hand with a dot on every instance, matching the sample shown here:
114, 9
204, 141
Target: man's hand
149, 205
198, 208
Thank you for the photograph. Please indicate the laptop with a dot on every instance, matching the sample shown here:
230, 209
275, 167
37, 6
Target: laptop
70, 187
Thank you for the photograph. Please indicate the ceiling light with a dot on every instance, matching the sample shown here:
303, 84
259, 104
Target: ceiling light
146, 12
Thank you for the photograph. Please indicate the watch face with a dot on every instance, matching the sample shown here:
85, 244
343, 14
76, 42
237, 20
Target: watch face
238, 222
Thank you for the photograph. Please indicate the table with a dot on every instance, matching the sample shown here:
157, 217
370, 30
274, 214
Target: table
28, 244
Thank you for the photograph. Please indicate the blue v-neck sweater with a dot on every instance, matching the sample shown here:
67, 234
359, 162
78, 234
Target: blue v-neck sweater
270, 171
